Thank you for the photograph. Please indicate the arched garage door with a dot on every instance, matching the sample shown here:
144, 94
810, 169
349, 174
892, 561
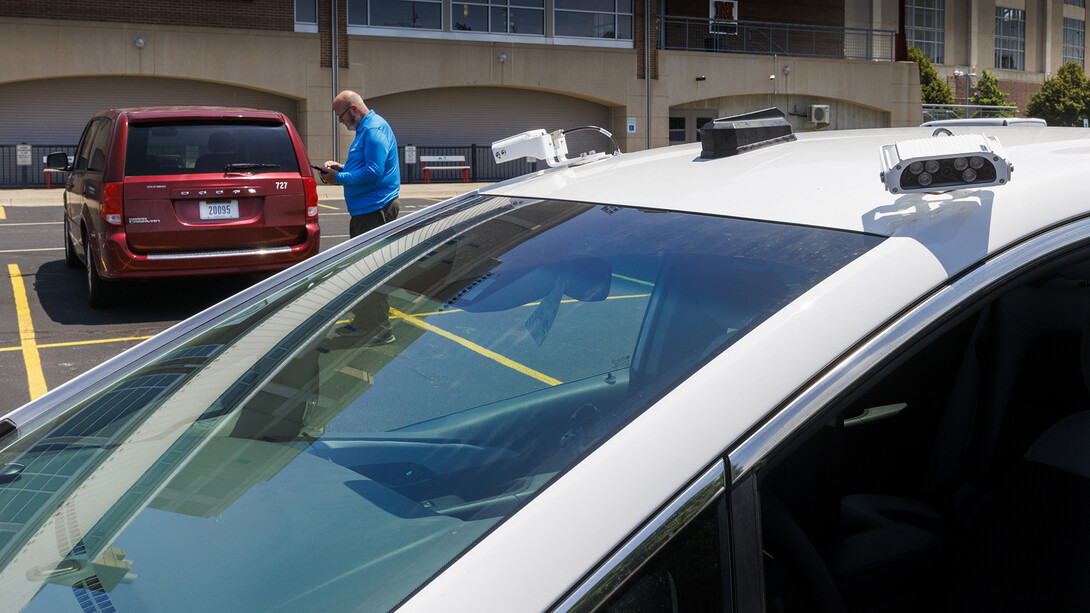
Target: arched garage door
455, 119
50, 113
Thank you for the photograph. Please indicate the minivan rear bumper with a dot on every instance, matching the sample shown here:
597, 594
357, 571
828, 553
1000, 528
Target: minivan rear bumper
119, 262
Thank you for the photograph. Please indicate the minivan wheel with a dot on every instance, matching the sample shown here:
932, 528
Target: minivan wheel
71, 260
97, 290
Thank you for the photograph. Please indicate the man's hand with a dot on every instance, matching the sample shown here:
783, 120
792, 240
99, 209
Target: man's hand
329, 175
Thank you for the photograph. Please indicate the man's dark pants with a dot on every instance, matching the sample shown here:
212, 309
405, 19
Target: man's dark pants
369, 221
373, 317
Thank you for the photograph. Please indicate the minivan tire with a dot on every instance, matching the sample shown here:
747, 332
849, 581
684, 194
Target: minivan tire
71, 260
98, 294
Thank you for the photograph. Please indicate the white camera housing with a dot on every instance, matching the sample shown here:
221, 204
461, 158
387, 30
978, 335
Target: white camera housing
534, 144
944, 163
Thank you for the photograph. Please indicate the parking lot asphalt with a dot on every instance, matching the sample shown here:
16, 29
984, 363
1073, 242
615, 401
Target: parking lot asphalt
49, 334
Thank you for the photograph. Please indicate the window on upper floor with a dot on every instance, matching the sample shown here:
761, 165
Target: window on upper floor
925, 27
1010, 38
499, 16
1078, 3
1074, 41
306, 15
593, 18
412, 14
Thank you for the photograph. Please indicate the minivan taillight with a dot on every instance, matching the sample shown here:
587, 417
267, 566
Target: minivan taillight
310, 189
110, 206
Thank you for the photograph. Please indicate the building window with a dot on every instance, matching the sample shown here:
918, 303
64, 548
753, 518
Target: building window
1078, 3
499, 16
306, 15
925, 22
1010, 38
593, 18
418, 14
1075, 41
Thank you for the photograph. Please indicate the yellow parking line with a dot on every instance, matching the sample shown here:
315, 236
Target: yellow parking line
3, 215
97, 341
35, 377
526, 370
326, 206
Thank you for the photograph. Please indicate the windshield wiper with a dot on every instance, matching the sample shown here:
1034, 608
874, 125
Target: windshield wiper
248, 166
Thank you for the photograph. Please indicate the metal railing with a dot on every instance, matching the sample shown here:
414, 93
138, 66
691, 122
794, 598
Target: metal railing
34, 175
478, 158
935, 112
761, 38
482, 167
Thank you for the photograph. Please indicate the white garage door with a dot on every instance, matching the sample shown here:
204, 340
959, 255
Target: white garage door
54, 111
450, 120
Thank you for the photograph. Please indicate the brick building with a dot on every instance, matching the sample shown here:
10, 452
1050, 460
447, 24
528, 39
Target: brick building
451, 77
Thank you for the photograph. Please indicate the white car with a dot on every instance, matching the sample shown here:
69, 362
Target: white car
765, 372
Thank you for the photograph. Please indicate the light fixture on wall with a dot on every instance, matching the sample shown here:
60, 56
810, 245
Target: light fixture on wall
502, 57
701, 78
139, 42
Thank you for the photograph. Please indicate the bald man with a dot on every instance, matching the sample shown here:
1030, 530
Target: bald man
371, 175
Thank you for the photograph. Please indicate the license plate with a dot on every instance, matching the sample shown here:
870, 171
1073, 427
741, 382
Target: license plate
219, 209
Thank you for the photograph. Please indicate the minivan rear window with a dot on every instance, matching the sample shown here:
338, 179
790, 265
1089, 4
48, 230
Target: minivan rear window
208, 147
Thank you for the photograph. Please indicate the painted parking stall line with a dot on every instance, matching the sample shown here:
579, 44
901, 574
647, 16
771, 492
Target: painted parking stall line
468, 344
31, 359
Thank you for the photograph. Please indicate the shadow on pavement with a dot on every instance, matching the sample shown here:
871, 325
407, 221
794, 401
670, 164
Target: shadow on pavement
62, 292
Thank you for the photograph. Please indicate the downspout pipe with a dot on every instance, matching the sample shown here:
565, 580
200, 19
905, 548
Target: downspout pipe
647, 66
336, 76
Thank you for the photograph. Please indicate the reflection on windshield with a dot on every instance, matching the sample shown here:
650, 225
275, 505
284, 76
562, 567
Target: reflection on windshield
340, 442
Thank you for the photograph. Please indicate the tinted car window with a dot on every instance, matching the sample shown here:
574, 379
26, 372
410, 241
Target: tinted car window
283, 448
684, 577
103, 129
183, 148
84, 152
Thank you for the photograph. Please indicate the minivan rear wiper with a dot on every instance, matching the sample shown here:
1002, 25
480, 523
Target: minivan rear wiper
247, 166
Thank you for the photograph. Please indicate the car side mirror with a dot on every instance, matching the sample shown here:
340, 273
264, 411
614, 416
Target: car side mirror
58, 160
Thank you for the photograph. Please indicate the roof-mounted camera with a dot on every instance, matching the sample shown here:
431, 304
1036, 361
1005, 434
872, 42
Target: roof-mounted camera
550, 147
940, 164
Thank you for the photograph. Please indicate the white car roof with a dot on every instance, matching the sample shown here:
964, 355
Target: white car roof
827, 179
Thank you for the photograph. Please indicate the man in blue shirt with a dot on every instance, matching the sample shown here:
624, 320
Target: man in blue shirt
371, 175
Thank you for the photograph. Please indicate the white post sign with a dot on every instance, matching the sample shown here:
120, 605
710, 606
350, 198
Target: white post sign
410, 154
22, 155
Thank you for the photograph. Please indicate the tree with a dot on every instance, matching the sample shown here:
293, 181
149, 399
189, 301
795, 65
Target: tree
988, 94
933, 90
1062, 99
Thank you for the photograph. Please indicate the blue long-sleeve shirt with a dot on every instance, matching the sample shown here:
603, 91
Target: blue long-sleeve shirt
371, 175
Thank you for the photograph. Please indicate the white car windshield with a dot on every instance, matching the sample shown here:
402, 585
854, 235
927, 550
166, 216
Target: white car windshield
339, 439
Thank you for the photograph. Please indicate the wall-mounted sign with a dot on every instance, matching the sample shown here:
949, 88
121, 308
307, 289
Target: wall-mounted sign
724, 16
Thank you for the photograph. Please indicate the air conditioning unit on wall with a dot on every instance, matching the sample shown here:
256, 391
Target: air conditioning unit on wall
818, 113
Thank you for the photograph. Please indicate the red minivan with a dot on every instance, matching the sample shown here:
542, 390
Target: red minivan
178, 191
